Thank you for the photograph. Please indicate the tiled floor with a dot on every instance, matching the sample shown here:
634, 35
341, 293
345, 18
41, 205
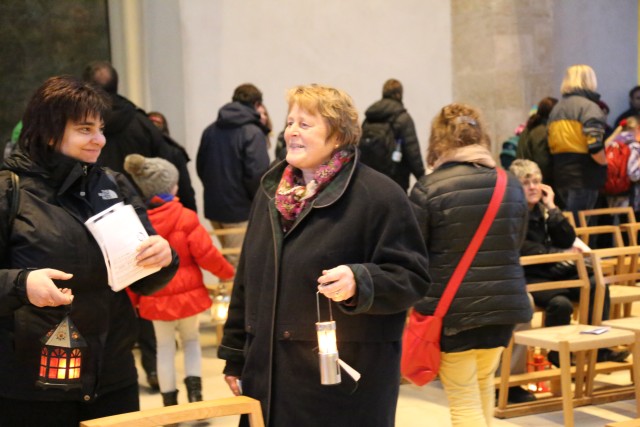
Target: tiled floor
416, 406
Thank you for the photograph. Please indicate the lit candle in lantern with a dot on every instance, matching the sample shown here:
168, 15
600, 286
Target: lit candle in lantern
328, 353
61, 357
221, 307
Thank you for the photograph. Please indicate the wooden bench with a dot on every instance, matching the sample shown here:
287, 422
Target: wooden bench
237, 405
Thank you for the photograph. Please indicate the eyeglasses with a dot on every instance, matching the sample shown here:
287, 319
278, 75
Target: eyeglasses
530, 182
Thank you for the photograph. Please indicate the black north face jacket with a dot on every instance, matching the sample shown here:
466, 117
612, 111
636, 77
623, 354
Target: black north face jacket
49, 232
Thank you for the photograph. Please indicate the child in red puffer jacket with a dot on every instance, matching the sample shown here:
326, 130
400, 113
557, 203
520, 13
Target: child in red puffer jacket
177, 306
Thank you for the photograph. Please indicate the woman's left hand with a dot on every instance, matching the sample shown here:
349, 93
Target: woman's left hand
337, 283
154, 252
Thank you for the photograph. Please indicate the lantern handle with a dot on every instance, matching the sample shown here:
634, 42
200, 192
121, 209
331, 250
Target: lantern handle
68, 309
318, 307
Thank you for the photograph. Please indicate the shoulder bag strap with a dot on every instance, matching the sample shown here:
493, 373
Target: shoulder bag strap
392, 121
472, 249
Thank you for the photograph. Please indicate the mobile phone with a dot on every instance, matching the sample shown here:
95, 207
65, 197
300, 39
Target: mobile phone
596, 331
544, 193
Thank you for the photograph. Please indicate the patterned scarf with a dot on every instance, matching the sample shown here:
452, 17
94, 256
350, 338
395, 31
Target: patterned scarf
293, 195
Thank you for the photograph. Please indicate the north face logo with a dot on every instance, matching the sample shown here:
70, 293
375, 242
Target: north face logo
108, 194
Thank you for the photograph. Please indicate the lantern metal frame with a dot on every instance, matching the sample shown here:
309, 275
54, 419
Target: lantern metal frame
327, 348
61, 357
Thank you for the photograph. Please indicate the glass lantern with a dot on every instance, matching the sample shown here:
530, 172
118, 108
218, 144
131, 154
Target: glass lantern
61, 357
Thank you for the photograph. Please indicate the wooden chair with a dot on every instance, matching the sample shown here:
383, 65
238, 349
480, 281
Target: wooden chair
570, 218
224, 287
587, 232
227, 232
631, 229
583, 216
563, 339
614, 231
237, 405
621, 272
625, 273
627, 423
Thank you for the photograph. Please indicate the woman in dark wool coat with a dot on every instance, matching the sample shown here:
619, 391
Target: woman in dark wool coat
323, 223
492, 297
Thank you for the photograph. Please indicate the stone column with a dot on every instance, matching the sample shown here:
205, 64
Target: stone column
502, 61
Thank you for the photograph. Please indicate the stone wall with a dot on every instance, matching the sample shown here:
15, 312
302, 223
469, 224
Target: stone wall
501, 59
42, 38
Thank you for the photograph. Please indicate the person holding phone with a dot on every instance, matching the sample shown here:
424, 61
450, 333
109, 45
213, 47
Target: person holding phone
549, 231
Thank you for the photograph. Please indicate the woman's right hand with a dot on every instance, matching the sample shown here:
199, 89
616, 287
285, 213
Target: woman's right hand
548, 196
234, 384
42, 292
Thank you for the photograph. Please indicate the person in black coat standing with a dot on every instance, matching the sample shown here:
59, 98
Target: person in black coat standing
390, 108
492, 297
48, 246
231, 159
325, 232
129, 131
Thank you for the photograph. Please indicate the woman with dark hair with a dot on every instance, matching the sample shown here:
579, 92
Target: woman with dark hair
47, 246
533, 143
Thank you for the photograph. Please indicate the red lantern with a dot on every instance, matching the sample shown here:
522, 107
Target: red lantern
538, 362
61, 357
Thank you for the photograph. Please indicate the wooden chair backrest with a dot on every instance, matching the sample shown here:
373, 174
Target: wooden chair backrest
584, 215
582, 281
584, 233
624, 272
570, 218
631, 229
237, 405
226, 232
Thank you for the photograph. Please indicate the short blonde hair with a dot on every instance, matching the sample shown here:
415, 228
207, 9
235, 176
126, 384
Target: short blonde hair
334, 105
579, 77
523, 168
457, 125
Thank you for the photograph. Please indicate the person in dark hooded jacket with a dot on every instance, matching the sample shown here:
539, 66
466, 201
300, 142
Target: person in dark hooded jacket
231, 159
47, 246
129, 131
384, 110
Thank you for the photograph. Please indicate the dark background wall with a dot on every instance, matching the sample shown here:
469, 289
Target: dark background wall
43, 38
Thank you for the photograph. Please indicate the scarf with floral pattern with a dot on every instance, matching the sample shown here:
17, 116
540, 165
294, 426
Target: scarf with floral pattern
293, 195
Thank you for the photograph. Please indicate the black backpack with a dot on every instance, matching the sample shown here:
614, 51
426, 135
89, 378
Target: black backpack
377, 144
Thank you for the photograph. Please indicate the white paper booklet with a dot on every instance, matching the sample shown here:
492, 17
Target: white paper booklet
578, 243
119, 232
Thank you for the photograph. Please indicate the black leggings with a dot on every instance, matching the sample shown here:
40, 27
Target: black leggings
28, 413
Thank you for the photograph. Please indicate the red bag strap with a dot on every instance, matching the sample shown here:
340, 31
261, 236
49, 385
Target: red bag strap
472, 249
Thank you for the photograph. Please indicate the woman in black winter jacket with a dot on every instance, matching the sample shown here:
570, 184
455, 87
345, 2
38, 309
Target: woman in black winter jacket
492, 298
47, 246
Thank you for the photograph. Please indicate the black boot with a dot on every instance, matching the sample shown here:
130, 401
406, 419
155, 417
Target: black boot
170, 398
194, 388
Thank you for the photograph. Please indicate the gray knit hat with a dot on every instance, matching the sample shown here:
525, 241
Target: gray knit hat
152, 175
